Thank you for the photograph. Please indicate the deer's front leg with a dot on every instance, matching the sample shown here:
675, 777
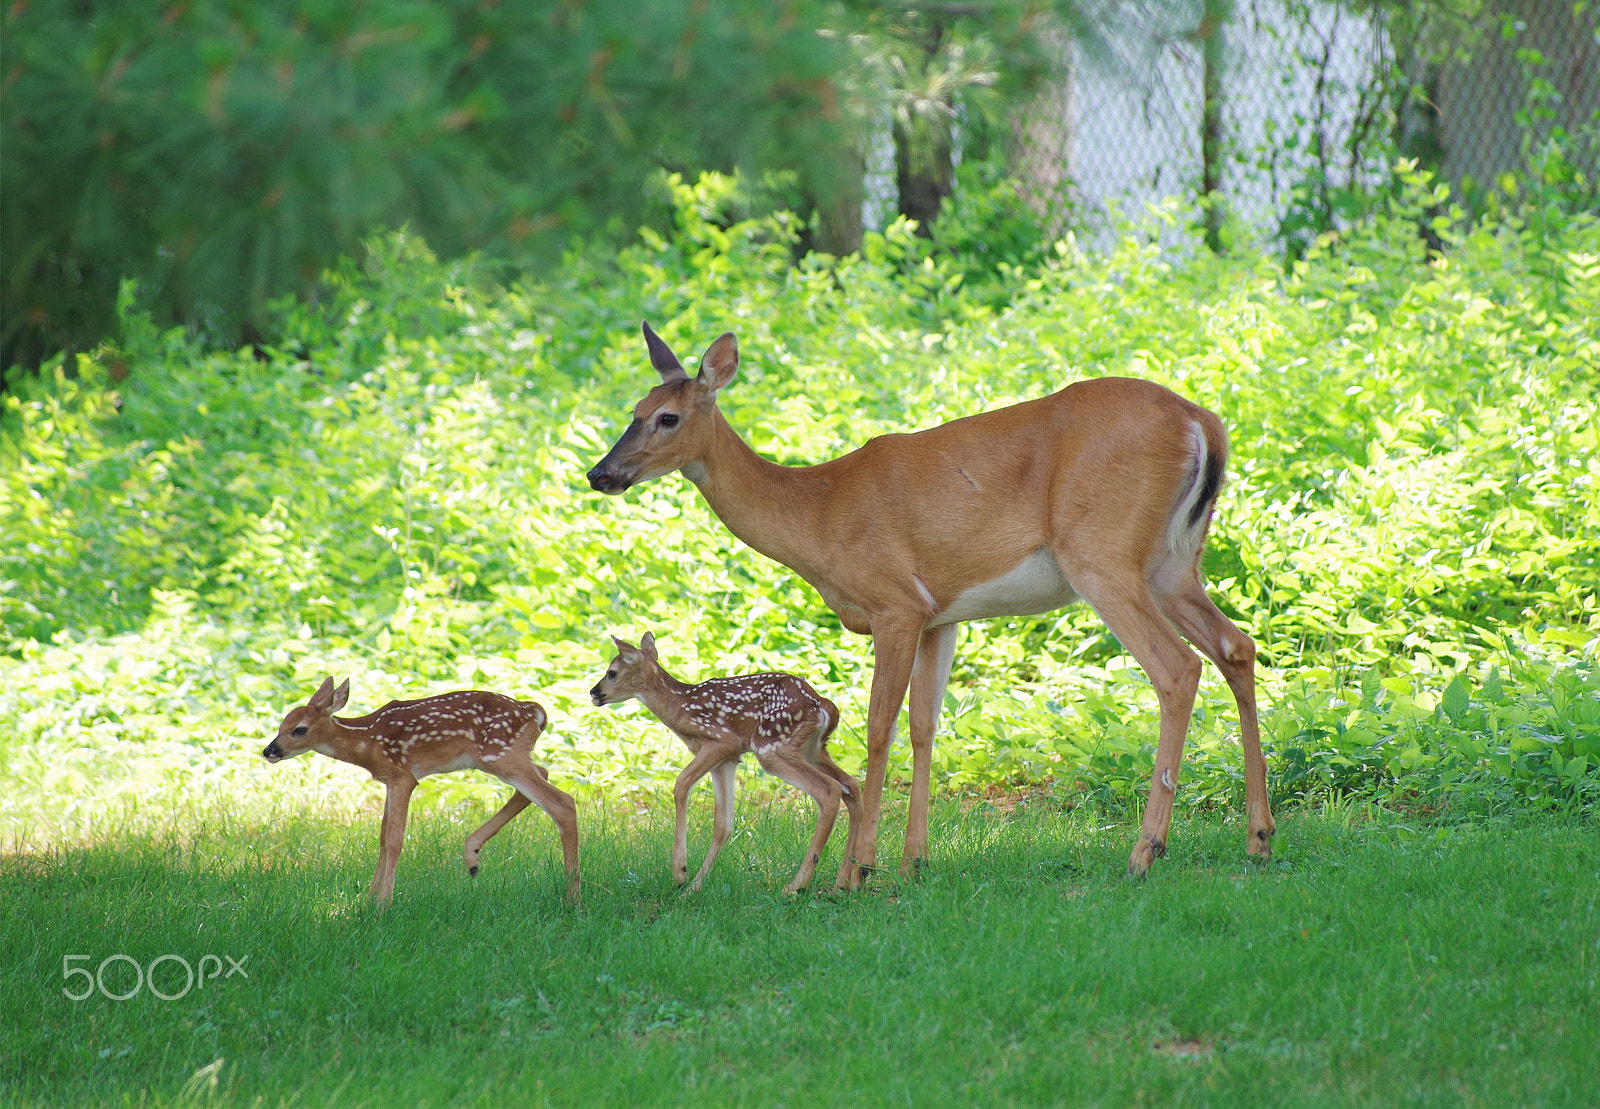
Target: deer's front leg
722, 784
929, 676
391, 836
706, 756
893, 650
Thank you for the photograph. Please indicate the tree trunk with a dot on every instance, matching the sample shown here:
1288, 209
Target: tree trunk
838, 204
924, 172
1041, 140
1213, 43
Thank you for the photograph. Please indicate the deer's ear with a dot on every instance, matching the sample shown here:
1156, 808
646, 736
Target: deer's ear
323, 695
648, 645
720, 363
625, 649
340, 695
661, 357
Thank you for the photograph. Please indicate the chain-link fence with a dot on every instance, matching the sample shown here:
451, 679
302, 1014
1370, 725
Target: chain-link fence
1311, 102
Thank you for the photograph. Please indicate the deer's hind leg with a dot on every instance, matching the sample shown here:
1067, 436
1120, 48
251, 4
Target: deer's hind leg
850, 794
1122, 598
491, 827
532, 783
785, 762
816, 753
1221, 640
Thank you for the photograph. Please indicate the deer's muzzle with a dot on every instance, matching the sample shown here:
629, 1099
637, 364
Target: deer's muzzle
603, 480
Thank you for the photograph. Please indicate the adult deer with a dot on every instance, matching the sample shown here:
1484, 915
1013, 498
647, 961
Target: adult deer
1101, 491
405, 741
778, 716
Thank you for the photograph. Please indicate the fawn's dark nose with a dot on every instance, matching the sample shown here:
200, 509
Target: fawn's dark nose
273, 753
597, 695
602, 480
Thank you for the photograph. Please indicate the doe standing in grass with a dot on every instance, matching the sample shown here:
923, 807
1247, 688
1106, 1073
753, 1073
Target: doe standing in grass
1102, 490
405, 741
777, 716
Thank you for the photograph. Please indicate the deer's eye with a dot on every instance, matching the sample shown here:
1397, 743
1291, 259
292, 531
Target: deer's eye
300, 729
667, 419
611, 673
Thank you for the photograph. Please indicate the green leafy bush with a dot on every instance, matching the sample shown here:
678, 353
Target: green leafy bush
397, 494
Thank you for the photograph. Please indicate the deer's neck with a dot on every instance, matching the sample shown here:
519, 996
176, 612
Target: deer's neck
767, 505
357, 744
663, 695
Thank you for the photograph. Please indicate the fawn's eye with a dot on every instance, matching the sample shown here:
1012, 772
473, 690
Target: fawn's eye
667, 419
300, 730
611, 673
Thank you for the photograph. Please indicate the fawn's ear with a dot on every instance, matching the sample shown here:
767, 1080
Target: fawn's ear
627, 651
648, 646
340, 695
323, 696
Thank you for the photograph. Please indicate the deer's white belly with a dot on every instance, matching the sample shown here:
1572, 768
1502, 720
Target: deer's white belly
1033, 585
466, 760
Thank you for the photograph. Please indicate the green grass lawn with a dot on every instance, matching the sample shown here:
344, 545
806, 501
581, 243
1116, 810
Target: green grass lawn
1376, 960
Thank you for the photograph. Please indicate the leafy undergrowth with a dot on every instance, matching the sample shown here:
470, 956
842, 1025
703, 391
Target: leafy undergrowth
190, 540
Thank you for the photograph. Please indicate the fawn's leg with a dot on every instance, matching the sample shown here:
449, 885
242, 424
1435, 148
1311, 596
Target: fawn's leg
532, 782
722, 783
788, 765
708, 756
850, 793
391, 836
491, 827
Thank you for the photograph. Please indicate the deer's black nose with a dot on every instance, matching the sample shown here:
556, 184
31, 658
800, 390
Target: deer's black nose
602, 480
273, 752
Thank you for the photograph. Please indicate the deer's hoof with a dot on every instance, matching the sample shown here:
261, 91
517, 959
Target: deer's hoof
1145, 852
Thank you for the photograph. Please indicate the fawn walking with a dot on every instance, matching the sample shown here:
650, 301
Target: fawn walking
405, 741
777, 716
